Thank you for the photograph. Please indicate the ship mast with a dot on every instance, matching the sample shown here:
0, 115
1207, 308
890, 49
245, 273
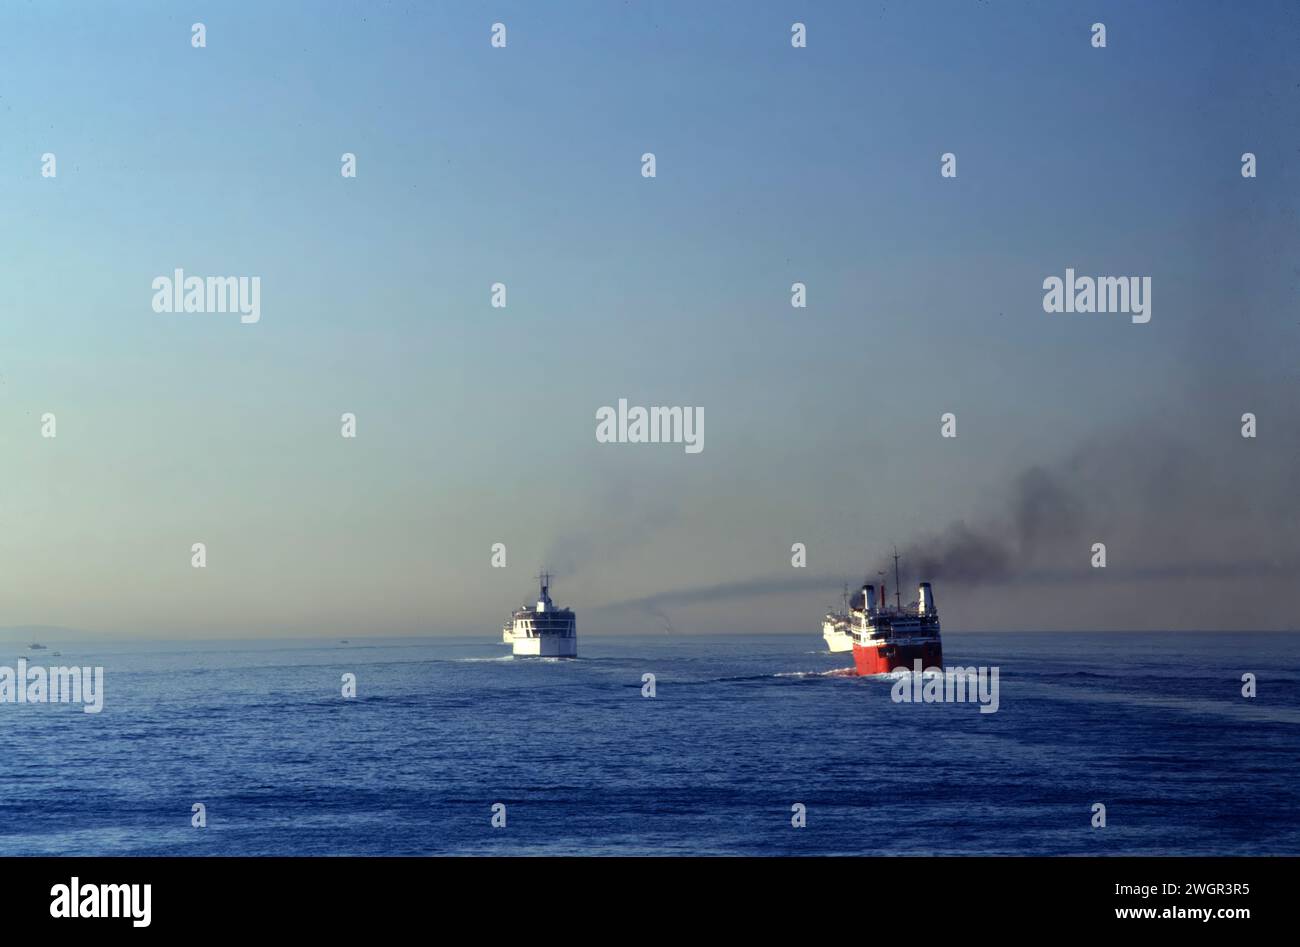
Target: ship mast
897, 584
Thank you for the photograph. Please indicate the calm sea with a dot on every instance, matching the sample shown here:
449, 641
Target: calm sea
1152, 726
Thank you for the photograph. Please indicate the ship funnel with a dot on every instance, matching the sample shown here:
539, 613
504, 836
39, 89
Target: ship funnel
869, 599
925, 599
545, 599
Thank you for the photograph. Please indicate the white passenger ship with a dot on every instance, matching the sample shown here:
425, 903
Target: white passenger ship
837, 627
542, 630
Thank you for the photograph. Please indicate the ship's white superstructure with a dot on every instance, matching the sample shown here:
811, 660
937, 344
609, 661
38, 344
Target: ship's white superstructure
543, 630
838, 631
837, 627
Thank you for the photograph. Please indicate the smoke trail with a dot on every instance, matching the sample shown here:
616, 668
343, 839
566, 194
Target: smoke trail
1043, 510
620, 515
624, 519
1163, 500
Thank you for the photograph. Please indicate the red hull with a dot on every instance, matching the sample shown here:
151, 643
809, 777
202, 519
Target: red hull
891, 657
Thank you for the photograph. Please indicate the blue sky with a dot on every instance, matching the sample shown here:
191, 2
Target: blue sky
521, 165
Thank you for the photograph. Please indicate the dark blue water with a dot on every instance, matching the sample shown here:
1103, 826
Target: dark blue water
1153, 726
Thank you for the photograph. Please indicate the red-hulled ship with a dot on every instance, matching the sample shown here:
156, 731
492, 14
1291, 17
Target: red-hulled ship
886, 639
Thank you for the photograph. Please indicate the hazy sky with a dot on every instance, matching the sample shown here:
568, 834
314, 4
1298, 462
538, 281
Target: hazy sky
523, 165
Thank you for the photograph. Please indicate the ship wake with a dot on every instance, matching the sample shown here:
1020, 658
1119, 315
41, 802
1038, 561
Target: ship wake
833, 672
